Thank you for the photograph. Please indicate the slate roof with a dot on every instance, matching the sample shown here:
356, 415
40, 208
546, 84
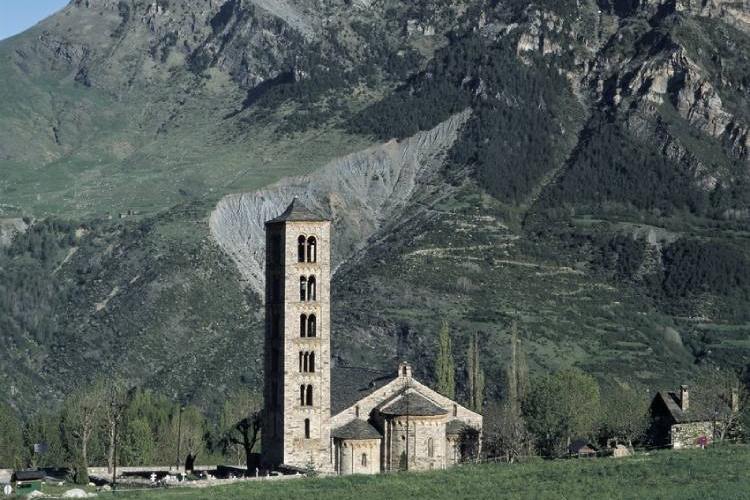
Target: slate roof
694, 413
349, 385
296, 211
412, 404
356, 429
28, 475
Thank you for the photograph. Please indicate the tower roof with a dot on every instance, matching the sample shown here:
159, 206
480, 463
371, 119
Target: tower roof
297, 211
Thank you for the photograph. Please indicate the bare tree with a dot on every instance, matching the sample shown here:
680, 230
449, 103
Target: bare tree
241, 421
505, 433
82, 413
722, 395
114, 393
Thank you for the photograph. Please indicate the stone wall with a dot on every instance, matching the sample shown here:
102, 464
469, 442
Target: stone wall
415, 443
687, 435
289, 445
349, 456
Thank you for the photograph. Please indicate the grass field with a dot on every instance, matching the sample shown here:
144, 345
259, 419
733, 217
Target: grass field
722, 472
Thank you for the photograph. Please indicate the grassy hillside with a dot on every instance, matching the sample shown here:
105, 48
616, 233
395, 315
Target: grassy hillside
712, 473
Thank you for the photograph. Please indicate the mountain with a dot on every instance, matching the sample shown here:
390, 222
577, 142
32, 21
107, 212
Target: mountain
581, 168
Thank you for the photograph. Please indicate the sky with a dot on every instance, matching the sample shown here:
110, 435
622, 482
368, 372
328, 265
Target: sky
18, 15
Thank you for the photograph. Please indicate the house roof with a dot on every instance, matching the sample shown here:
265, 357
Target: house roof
580, 445
350, 384
411, 403
356, 429
28, 475
696, 412
296, 211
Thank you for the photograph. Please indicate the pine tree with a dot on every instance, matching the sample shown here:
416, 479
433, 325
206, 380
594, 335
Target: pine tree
475, 375
444, 365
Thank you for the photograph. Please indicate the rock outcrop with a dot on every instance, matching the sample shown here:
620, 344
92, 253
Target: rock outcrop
362, 192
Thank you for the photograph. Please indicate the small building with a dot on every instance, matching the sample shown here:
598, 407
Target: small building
27, 481
677, 423
581, 448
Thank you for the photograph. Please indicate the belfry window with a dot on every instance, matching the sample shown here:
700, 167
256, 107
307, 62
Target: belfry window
303, 288
312, 254
430, 448
311, 363
302, 395
309, 396
364, 459
311, 326
301, 248
303, 325
310, 288
307, 428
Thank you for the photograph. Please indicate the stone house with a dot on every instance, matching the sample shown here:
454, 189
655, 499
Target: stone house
338, 419
677, 423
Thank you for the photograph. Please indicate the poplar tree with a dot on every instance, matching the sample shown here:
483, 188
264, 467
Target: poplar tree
444, 364
475, 375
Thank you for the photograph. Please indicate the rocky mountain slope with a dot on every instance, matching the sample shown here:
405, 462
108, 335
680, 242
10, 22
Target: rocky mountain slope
579, 166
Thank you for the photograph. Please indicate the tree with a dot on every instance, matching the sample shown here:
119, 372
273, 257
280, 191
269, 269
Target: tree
444, 364
45, 428
624, 415
113, 408
517, 372
138, 445
562, 407
12, 453
475, 375
82, 411
722, 394
505, 432
241, 421
191, 429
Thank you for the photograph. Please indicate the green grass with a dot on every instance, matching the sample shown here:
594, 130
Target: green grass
713, 473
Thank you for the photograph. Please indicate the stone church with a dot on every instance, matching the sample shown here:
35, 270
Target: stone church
339, 419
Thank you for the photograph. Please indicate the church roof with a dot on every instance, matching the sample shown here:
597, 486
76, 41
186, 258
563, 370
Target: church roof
349, 385
413, 404
356, 429
297, 211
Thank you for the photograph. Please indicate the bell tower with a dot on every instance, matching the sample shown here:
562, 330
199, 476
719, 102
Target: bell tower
297, 378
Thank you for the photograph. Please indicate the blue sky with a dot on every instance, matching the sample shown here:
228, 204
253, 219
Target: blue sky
18, 15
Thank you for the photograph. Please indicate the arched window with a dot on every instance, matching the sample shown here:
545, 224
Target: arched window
430, 448
303, 288
302, 395
302, 325
311, 326
309, 398
312, 253
364, 459
301, 362
307, 428
306, 364
310, 288
311, 363
301, 248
